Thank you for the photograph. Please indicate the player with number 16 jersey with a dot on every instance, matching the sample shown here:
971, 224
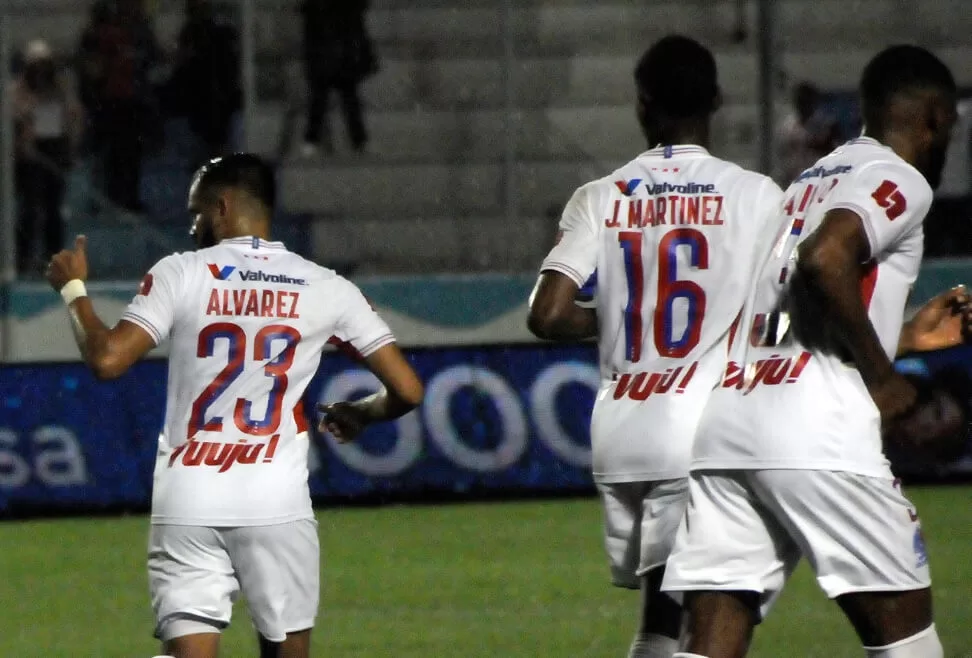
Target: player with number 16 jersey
673, 238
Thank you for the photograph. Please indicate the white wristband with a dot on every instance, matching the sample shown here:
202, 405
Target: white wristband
72, 290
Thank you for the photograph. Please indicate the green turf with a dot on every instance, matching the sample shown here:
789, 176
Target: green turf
511, 579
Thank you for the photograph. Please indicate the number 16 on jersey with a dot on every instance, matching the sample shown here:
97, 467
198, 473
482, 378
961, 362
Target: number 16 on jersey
670, 290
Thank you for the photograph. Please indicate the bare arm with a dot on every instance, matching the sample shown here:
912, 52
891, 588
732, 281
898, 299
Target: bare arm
829, 267
109, 353
401, 392
554, 315
402, 389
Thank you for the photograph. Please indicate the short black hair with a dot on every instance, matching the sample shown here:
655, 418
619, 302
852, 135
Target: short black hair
899, 69
678, 75
244, 171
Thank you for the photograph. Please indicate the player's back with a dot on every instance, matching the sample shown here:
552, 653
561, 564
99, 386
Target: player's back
249, 323
678, 235
783, 404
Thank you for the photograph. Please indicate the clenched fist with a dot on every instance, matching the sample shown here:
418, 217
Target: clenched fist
68, 264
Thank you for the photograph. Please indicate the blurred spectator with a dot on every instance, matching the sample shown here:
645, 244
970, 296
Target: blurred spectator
48, 122
338, 55
116, 55
807, 134
205, 86
739, 31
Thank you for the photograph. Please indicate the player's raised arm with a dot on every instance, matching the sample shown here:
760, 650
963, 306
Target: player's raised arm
108, 352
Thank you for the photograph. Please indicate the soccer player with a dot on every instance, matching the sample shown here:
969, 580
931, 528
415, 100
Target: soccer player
674, 238
247, 322
788, 461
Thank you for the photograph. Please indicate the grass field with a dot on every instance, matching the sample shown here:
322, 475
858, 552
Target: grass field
505, 579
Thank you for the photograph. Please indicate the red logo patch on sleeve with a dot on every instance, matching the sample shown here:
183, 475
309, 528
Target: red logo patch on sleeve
146, 285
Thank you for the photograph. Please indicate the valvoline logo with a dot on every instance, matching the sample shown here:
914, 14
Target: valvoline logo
688, 188
221, 273
628, 187
224, 273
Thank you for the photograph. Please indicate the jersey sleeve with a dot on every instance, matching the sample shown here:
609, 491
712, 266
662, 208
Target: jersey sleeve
575, 254
891, 199
359, 325
154, 307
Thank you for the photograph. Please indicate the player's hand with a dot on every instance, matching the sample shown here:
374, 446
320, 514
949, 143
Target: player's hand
894, 397
945, 321
344, 420
69, 264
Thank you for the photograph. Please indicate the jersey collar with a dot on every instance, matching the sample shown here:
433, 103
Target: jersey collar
675, 151
253, 242
867, 140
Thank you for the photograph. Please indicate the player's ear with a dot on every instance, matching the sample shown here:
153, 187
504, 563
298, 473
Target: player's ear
222, 205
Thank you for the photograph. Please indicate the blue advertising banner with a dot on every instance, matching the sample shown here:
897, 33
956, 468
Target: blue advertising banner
510, 419
495, 419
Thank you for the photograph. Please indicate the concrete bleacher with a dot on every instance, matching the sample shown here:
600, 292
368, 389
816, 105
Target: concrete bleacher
431, 192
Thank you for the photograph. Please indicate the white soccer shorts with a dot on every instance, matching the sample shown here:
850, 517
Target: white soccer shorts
195, 574
747, 530
640, 522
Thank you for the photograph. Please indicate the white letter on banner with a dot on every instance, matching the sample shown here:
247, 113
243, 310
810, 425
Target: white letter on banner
438, 419
60, 462
14, 471
543, 404
408, 444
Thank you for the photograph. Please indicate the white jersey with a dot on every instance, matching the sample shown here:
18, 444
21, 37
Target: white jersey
674, 238
248, 321
782, 405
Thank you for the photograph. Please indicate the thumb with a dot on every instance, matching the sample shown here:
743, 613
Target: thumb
80, 243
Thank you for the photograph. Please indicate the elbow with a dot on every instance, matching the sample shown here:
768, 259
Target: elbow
105, 368
413, 397
542, 323
818, 264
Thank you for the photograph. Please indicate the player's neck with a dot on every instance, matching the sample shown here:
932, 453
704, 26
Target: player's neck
898, 141
248, 228
694, 133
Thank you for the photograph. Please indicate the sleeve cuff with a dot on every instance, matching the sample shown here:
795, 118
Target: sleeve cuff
145, 324
566, 270
375, 345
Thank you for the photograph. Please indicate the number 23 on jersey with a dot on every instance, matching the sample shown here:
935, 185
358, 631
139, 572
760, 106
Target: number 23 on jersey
236, 356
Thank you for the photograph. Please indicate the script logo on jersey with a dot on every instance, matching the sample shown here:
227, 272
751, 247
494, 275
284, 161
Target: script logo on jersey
221, 274
628, 187
223, 455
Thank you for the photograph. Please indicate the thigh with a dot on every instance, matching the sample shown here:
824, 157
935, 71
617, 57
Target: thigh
859, 533
191, 580
661, 513
622, 503
728, 542
279, 571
